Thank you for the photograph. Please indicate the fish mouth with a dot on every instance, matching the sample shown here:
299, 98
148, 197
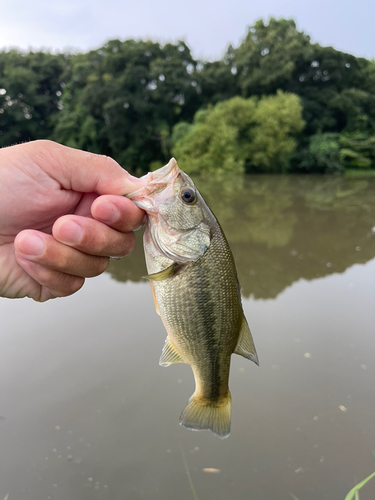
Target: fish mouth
158, 180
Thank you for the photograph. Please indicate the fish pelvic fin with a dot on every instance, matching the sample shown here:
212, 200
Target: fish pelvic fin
245, 345
170, 355
203, 414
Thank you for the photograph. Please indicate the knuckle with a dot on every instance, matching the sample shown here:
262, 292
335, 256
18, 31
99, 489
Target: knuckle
98, 267
128, 244
66, 285
107, 162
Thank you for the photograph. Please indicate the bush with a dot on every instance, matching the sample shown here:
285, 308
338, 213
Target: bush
240, 135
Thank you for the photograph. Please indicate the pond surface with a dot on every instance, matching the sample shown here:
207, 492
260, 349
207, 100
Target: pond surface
87, 412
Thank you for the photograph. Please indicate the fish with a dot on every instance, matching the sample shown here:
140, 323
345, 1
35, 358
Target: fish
196, 292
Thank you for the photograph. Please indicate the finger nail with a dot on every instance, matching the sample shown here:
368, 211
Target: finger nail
31, 246
106, 212
144, 220
70, 232
133, 184
136, 180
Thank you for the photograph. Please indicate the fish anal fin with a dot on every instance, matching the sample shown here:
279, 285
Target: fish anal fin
201, 414
164, 274
154, 297
245, 345
170, 355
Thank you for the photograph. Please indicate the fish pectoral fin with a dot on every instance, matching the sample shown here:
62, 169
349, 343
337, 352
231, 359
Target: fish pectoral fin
170, 355
164, 274
245, 345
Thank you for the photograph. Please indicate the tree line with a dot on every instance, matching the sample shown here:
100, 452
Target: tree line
277, 103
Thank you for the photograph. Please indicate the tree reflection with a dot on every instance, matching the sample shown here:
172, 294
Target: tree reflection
282, 229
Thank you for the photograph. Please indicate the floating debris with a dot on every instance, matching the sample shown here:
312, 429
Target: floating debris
211, 470
343, 408
307, 355
364, 367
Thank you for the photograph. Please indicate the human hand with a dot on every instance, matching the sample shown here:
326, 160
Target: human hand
62, 214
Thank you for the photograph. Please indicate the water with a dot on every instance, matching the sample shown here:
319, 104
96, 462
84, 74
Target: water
87, 413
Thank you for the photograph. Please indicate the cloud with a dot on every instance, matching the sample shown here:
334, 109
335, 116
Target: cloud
207, 27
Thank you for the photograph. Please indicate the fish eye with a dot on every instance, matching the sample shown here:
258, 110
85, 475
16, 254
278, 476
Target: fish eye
188, 196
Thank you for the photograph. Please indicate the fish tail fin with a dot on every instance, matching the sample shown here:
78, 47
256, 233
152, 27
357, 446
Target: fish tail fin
203, 414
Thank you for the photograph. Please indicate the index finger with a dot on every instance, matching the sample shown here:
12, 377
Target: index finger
118, 212
78, 170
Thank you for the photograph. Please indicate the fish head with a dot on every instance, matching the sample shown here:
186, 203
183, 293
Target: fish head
178, 222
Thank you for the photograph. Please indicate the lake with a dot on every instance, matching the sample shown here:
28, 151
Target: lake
86, 412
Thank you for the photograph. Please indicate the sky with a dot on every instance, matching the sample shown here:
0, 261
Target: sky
207, 26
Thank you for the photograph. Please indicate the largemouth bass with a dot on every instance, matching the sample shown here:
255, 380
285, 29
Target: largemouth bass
196, 292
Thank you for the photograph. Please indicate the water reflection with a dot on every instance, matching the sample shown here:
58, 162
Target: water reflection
88, 413
282, 229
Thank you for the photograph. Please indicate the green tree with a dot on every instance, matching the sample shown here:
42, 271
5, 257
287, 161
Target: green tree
322, 155
124, 99
278, 56
30, 89
278, 120
357, 150
270, 56
240, 135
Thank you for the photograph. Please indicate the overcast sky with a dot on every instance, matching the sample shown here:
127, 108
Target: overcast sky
207, 26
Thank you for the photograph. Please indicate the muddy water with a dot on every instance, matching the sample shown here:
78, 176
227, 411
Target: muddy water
87, 413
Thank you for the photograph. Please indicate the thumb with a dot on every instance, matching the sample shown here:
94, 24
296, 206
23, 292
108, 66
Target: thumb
81, 171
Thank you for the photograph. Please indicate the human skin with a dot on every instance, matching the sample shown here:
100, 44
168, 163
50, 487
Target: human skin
62, 215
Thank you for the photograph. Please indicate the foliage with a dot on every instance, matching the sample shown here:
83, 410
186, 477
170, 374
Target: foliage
269, 56
357, 150
126, 98
321, 156
337, 89
353, 493
30, 88
278, 119
240, 135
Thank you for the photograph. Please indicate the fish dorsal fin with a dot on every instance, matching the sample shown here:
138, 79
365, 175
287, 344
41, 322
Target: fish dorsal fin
245, 345
164, 274
170, 354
